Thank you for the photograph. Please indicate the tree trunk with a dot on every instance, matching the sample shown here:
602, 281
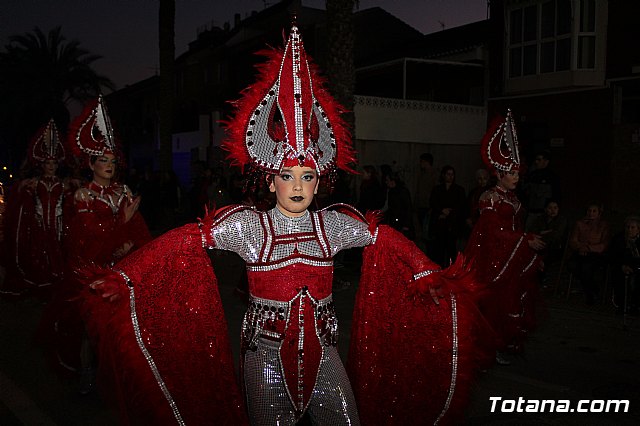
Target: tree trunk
166, 95
340, 66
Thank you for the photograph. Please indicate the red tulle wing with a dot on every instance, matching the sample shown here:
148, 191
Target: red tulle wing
412, 361
165, 351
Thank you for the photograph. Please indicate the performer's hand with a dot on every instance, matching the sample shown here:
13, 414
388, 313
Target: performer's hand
536, 243
436, 293
424, 284
106, 289
131, 208
122, 251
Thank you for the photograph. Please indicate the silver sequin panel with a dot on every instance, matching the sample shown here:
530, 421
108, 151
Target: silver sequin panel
332, 401
253, 235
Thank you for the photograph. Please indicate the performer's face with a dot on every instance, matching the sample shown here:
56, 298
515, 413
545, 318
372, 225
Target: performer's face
49, 167
294, 188
104, 168
509, 180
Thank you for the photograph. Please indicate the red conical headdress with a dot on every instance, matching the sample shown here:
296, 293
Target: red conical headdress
499, 146
287, 118
91, 132
46, 145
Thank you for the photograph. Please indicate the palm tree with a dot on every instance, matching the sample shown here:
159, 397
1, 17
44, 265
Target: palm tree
40, 75
167, 52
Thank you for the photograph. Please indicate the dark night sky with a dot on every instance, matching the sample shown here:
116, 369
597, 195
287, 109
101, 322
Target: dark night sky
124, 32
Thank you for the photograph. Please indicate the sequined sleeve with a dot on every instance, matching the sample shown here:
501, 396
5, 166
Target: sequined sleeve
241, 232
345, 232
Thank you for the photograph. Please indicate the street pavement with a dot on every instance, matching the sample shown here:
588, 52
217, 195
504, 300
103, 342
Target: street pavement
577, 353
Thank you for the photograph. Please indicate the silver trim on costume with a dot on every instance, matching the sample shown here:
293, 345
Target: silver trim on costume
374, 238
300, 383
533, 259
204, 237
522, 311
288, 262
454, 358
506, 264
145, 352
423, 274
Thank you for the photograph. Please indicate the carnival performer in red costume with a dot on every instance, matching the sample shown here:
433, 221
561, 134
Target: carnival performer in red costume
505, 258
103, 227
106, 225
412, 352
34, 218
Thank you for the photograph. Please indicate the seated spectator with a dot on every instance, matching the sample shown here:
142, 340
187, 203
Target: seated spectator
589, 240
552, 227
625, 266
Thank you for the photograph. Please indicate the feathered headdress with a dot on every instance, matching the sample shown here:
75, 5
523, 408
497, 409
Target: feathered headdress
499, 146
288, 118
91, 132
46, 145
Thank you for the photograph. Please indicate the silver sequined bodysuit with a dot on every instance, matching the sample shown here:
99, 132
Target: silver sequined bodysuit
289, 333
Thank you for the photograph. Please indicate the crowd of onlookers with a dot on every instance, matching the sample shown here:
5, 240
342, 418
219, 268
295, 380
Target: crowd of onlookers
438, 214
442, 215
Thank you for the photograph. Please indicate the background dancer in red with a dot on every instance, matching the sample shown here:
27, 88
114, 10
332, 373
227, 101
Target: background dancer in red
103, 227
505, 258
174, 356
35, 219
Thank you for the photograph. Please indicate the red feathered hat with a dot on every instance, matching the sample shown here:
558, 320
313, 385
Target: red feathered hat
91, 132
499, 146
288, 118
46, 145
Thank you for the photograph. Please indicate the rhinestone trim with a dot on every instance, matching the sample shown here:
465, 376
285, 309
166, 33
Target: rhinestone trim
506, 265
147, 355
454, 358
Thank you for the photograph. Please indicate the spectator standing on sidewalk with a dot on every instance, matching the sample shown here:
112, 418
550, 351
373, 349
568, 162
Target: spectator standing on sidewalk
542, 184
589, 241
372, 194
426, 180
624, 253
448, 211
